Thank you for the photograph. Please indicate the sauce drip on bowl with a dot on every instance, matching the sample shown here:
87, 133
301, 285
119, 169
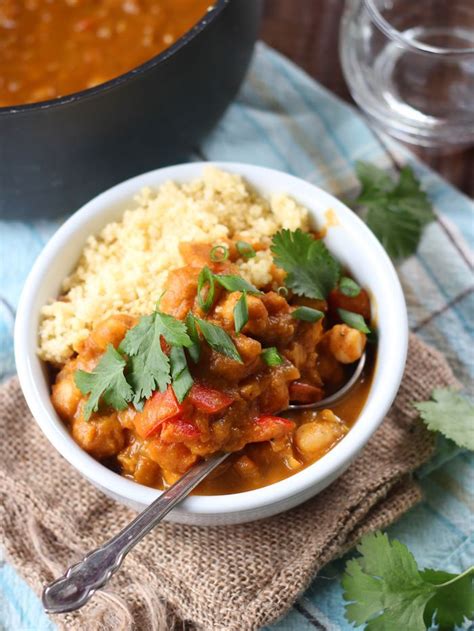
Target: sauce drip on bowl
51, 48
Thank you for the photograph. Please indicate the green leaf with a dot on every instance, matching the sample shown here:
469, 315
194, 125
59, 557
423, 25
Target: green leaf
232, 282
384, 587
372, 178
354, 320
396, 211
386, 591
106, 382
219, 340
311, 269
245, 250
149, 366
307, 314
241, 313
181, 378
451, 414
271, 356
195, 349
172, 329
205, 284
399, 232
453, 601
349, 287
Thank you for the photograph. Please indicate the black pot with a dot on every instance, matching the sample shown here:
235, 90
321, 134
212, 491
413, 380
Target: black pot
56, 155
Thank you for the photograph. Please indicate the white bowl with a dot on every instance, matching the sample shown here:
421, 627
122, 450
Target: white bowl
350, 241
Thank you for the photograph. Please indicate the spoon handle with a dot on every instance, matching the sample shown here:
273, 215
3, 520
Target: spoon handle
73, 590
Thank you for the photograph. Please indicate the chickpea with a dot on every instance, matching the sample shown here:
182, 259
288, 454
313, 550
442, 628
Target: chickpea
345, 343
317, 437
65, 397
246, 467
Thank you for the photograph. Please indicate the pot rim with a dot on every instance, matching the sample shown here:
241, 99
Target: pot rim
210, 16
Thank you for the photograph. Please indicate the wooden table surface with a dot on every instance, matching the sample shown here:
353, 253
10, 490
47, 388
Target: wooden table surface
306, 31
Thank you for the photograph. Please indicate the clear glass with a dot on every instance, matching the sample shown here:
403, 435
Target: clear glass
409, 65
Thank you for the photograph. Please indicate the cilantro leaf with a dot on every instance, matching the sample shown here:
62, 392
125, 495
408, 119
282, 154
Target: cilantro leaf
399, 232
354, 320
387, 592
180, 376
232, 282
149, 366
106, 382
219, 340
451, 414
311, 269
172, 329
395, 211
241, 313
453, 600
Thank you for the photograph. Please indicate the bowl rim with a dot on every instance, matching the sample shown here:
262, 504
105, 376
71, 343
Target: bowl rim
129, 491
214, 10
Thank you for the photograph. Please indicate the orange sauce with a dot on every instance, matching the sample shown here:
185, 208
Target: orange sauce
271, 467
51, 48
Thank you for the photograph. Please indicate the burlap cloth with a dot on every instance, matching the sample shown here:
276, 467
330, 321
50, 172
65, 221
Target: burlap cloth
232, 578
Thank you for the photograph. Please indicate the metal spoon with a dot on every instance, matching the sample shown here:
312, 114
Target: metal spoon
82, 580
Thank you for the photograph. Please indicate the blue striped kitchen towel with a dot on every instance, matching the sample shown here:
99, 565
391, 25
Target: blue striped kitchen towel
283, 119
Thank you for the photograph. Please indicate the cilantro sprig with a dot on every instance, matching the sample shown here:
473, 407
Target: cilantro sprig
396, 212
311, 269
451, 414
149, 365
106, 382
387, 591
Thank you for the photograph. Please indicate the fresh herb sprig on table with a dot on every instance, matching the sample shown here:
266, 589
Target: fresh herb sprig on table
387, 591
396, 212
451, 414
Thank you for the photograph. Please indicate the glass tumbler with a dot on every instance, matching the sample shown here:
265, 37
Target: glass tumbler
409, 65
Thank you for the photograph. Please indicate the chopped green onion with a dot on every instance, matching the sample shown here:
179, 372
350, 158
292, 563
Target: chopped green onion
245, 249
271, 356
195, 349
349, 287
231, 282
241, 313
205, 278
354, 320
219, 253
307, 314
283, 291
219, 340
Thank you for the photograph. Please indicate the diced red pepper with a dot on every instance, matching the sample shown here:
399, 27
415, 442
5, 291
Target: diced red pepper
161, 407
179, 430
356, 304
268, 427
207, 399
304, 392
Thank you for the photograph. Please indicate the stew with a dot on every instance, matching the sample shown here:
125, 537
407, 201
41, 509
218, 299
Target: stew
50, 48
256, 352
